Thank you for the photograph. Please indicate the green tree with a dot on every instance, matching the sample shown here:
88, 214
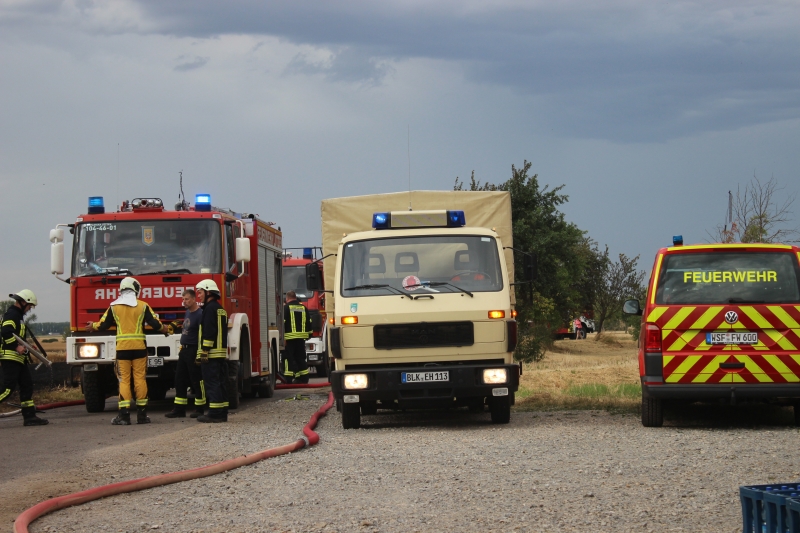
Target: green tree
621, 280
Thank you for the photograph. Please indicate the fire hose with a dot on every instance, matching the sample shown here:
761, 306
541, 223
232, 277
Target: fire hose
48, 506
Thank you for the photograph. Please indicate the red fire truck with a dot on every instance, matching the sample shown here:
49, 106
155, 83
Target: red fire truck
294, 279
167, 252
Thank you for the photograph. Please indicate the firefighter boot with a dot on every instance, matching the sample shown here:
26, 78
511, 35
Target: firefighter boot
30, 418
177, 412
123, 418
213, 417
198, 412
141, 415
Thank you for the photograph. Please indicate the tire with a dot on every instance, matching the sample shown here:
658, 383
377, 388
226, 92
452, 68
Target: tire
369, 408
339, 406
351, 415
500, 408
245, 382
796, 408
653, 412
324, 370
233, 384
266, 389
93, 392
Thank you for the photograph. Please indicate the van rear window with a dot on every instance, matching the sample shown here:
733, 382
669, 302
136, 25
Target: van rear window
729, 277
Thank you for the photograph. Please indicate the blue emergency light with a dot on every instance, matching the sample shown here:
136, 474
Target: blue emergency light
202, 202
308, 253
382, 220
456, 219
96, 206
677, 240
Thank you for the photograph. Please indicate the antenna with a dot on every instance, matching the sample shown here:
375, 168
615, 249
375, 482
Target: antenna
409, 167
181, 205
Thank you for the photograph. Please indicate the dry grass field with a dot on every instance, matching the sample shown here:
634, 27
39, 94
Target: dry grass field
584, 374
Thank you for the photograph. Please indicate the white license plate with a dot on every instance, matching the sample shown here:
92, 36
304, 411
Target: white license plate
424, 377
732, 337
153, 362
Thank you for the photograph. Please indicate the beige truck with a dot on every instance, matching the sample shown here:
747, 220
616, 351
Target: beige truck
422, 313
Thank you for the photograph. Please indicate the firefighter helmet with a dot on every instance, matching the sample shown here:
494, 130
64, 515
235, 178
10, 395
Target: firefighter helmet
208, 285
130, 284
25, 296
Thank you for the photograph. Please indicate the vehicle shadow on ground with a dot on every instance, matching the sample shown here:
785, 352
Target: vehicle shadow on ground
450, 419
744, 416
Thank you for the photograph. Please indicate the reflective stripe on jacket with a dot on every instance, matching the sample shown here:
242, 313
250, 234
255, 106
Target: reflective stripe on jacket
12, 323
213, 334
297, 322
129, 323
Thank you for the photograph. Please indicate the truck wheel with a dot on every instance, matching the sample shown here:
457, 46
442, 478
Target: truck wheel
369, 408
324, 370
93, 391
652, 412
351, 416
266, 389
500, 408
233, 384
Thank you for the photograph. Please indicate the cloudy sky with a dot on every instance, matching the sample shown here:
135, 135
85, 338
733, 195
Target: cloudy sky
648, 112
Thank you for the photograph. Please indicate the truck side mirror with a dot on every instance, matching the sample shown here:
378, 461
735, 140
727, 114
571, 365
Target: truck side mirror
313, 275
531, 265
631, 307
57, 258
242, 250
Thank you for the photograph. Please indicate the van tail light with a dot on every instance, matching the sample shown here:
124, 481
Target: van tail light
652, 339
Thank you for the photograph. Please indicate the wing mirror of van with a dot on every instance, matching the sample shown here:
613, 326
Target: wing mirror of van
631, 307
313, 277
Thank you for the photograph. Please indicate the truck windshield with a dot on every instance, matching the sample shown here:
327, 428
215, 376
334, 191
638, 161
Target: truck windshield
423, 265
142, 247
294, 279
729, 278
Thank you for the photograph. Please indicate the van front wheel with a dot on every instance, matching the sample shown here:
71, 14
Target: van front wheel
500, 407
351, 415
652, 412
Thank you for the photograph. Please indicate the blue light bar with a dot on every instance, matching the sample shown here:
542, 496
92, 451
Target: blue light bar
308, 253
96, 206
202, 202
677, 240
382, 220
456, 219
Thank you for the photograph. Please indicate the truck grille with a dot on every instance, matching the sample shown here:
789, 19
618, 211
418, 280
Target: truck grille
423, 335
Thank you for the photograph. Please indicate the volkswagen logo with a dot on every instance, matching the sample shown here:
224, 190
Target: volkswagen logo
731, 317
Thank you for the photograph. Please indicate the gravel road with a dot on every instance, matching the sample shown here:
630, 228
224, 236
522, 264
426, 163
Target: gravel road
443, 471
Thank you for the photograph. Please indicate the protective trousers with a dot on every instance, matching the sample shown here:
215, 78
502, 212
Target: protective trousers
294, 357
137, 367
15, 374
188, 374
215, 373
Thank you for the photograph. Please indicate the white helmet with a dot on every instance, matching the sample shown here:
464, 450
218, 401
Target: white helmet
130, 284
25, 296
208, 285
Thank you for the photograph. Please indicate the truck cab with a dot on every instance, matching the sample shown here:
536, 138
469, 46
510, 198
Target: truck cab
423, 317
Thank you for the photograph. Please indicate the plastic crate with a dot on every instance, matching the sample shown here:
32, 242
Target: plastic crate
793, 512
764, 507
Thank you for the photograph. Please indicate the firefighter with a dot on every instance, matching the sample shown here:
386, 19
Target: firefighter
187, 373
297, 328
13, 357
129, 314
213, 351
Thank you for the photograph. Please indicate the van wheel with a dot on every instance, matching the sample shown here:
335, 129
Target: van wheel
93, 391
653, 412
500, 408
351, 416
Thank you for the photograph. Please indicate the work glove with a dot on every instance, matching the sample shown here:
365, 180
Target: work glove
167, 330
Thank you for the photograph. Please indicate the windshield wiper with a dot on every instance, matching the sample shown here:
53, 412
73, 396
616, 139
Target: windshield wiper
173, 271
108, 272
379, 286
743, 301
441, 284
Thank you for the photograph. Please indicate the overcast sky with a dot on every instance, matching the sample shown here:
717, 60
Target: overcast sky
648, 112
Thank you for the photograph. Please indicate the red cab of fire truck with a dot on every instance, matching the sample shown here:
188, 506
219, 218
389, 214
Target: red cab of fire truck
720, 322
168, 252
294, 279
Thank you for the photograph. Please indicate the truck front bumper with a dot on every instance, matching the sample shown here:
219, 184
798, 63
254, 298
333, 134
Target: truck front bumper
465, 381
726, 391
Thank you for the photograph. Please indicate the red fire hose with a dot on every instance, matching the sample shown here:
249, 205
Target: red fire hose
26, 517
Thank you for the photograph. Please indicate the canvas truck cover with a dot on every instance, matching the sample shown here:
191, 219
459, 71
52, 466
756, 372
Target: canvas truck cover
483, 209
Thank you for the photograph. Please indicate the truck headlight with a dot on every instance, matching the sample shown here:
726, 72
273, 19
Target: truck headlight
494, 375
88, 351
355, 381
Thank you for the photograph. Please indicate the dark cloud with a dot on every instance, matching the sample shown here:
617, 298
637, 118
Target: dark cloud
625, 71
190, 63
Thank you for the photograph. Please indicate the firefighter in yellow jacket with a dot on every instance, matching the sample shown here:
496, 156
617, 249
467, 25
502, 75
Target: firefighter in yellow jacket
129, 314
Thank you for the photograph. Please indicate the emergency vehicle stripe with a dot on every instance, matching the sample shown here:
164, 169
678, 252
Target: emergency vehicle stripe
785, 372
753, 368
655, 282
783, 316
688, 362
656, 313
679, 317
756, 317
692, 333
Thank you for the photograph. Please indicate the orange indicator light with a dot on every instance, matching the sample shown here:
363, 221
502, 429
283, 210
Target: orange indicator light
497, 314
349, 320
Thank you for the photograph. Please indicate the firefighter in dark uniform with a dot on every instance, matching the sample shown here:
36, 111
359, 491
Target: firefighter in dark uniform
128, 315
297, 328
13, 357
213, 351
187, 373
